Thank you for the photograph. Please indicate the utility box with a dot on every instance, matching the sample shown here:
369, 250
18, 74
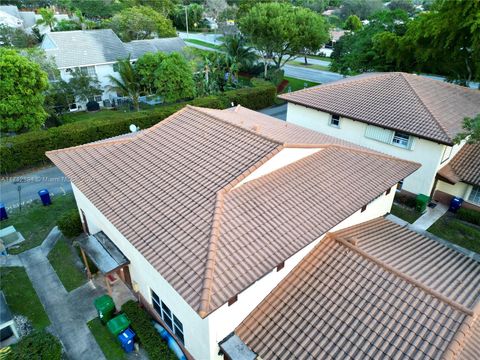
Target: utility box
118, 324
126, 339
421, 203
105, 308
45, 197
455, 204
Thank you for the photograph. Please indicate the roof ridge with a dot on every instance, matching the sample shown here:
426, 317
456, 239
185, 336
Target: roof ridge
459, 307
405, 78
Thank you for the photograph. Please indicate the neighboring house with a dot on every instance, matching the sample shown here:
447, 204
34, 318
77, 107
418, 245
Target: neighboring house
335, 35
213, 208
96, 52
461, 177
26, 20
404, 115
372, 291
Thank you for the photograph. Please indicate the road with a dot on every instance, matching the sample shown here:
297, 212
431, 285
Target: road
207, 37
50, 178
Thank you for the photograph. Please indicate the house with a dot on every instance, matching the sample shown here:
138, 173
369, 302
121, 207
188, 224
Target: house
335, 35
213, 208
25, 20
97, 51
461, 178
404, 115
376, 290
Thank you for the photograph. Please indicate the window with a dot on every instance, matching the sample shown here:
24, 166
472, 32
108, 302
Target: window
401, 139
335, 121
474, 196
88, 70
168, 317
364, 207
232, 300
446, 153
98, 98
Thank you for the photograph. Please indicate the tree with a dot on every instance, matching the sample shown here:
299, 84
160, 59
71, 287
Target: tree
471, 127
405, 5
128, 83
353, 23
85, 87
47, 64
362, 8
99, 9
174, 78
238, 52
15, 37
21, 90
140, 22
164, 7
67, 25
315, 5
280, 31
195, 16
58, 98
47, 18
214, 8
146, 66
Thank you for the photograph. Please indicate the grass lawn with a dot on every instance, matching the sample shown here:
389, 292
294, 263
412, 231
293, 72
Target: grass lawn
297, 84
203, 43
21, 296
405, 213
309, 66
35, 220
324, 58
62, 260
458, 232
110, 347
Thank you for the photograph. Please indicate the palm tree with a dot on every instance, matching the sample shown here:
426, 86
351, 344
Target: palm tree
48, 18
236, 48
129, 82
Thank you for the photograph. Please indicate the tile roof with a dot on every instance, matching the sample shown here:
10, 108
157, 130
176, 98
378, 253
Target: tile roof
89, 47
428, 108
465, 166
375, 290
170, 191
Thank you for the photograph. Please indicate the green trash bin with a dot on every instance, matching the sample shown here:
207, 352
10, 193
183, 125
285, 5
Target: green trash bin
422, 202
118, 324
105, 308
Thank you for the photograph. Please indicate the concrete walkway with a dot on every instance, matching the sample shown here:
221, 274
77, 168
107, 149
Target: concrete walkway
430, 217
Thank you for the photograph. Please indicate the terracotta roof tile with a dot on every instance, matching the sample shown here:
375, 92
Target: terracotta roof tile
170, 191
364, 301
465, 166
414, 104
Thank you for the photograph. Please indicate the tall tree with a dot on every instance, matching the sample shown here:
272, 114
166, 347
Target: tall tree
140, 22
214, 8
362, 8
146, 66
281, 31
353, 23
16, 37
174, 78
235, 47
85, 87
471, 131
194, 16
47, 18
22, 92
128, 83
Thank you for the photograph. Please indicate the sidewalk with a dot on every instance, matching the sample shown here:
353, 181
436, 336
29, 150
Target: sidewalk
430, 217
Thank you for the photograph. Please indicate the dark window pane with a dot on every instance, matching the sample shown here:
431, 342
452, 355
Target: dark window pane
155, 297
166, 309
180, 336
157, 308
177, 323
167, 320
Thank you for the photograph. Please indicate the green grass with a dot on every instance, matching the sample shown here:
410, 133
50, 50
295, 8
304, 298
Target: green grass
309, 66
21, 296
458, 232
405, 213
324, 58
298, 84
62, 260
35, 220
203, 43
110, 347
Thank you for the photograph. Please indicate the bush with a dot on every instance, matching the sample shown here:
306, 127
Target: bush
150, 339
28, 150
469, 215
93, 106
70, 224
276, 76
36, 346
405, 199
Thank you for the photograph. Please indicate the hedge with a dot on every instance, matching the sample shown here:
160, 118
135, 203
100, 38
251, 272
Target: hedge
469, 215
70, 224
28, 150
148, 336
38, 345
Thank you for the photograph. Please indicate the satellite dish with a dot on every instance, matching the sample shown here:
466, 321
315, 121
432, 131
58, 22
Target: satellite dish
133, 128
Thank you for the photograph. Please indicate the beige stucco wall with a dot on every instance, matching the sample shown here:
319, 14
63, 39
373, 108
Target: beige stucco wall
425, 152
460, 189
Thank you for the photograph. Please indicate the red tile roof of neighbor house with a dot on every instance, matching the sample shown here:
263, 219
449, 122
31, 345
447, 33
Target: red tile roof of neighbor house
170, 191
428, 108
374, 290
465, 166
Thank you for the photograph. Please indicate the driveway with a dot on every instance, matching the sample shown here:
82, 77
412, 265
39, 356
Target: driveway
50, 178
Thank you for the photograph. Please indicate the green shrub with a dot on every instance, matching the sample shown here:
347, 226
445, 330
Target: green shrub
405, 199
149, 338
70, 224
469, 215
38, 345
28, 150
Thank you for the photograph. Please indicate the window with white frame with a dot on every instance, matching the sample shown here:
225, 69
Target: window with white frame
474, 196
334, 121
168, 317
88, 70
401, 139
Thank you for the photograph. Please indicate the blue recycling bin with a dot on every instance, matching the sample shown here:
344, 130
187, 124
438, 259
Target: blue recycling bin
126, 339
45, 197
3, 212
455, 204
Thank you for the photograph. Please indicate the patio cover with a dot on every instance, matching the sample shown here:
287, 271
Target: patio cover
103, 252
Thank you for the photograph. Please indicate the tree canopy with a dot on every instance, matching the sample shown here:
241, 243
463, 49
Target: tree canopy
47, 18
281, 31
21, 90
174, 78
84, 86
353, 23
471, 131
362, 8
128, 83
